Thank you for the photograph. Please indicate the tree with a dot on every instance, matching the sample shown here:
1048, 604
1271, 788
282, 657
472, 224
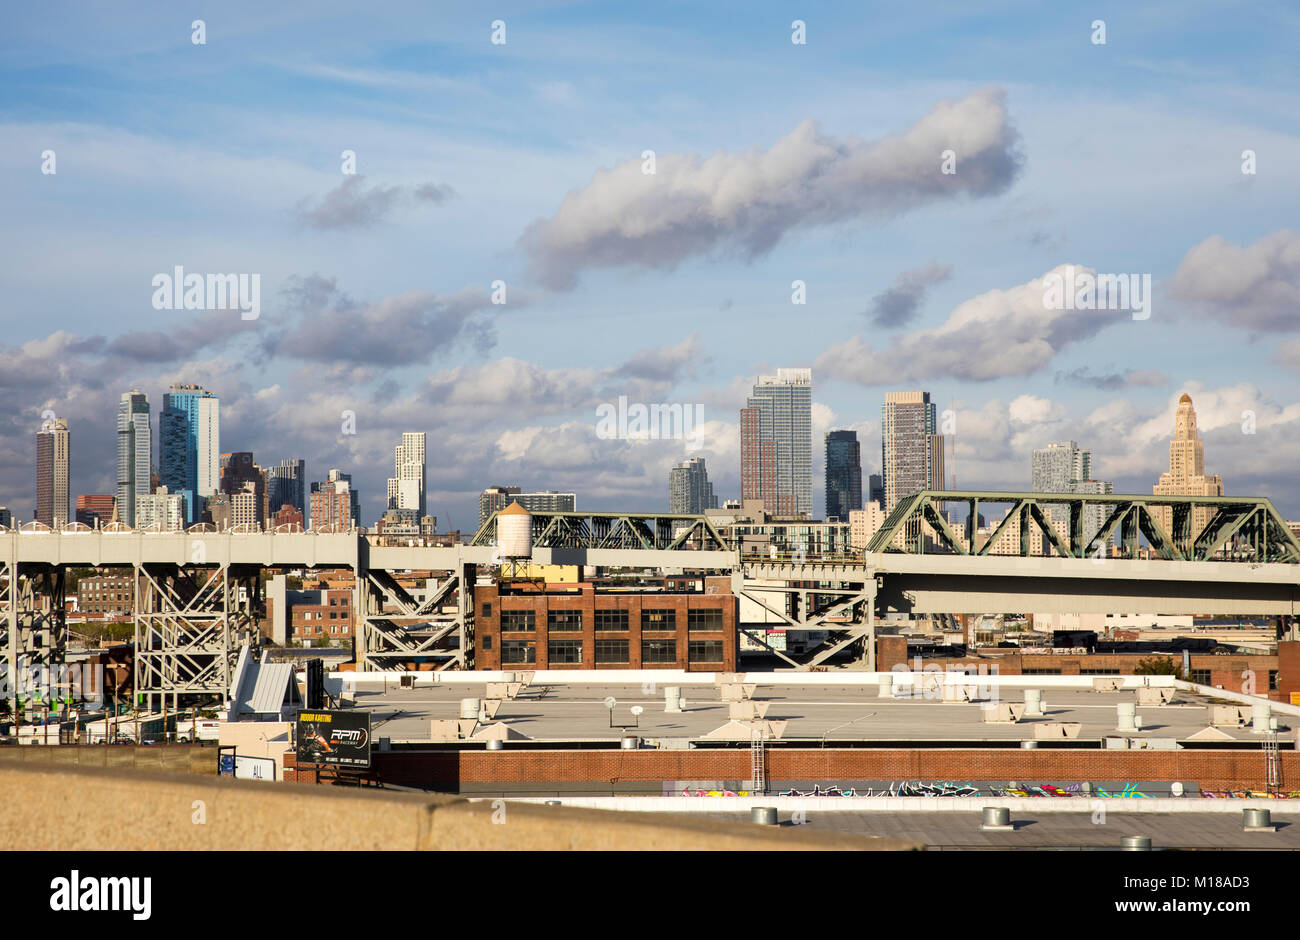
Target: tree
1156, 666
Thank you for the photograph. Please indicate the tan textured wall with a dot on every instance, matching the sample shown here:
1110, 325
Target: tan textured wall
71, 807
195, 759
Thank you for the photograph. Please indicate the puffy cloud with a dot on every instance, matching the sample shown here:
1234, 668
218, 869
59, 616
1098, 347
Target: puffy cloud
351, 205
997, 334
898, 305
399, 330
1256, 287
746, 202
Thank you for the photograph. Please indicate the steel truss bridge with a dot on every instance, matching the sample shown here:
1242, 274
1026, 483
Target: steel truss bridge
196, 594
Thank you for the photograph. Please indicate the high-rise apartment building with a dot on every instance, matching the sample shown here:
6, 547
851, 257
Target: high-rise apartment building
843, 474
287, 485
912, 454
95, 509
689, 489
1186, 475
52, 443
495, 498
189, 432
243, 481
160, 510
406, 485
134, 452
776, 443
876, 489
335, 505
1064, 467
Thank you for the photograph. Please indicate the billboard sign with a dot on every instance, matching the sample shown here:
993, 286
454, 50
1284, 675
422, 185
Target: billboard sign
338, 739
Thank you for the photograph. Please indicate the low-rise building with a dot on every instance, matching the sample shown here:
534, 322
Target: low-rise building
599, 625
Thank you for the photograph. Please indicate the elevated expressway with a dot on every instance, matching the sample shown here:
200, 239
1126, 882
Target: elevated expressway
197, 594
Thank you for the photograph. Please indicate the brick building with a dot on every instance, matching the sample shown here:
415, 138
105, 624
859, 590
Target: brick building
104, 594
1231, 671
591, 625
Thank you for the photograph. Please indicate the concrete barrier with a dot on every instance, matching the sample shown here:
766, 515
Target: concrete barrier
69, 807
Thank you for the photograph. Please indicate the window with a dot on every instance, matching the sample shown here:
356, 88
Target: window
518, 651
487, 642
1099, 672
1040, 672
563, 620
518, 620
487, 610
658, 651
612, 651
611, 620
1272, 680
1200, 676
653, 619
705, 651
564, 651
705, 619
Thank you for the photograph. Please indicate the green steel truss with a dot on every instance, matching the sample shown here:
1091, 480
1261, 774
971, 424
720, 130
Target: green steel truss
1238, 529
622, 530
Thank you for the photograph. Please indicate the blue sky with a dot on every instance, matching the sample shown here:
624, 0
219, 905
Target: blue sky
225, 157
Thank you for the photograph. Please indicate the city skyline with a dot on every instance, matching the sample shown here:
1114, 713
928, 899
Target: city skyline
360, 337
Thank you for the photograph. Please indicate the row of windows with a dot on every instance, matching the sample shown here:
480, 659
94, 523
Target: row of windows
515, 652
607, 620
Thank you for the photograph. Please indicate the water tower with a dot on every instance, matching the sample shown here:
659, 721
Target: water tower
514, 539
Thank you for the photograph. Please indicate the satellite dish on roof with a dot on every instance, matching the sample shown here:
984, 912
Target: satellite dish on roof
637, 709
609, 702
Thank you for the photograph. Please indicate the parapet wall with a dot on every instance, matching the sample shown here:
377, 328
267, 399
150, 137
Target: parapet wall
70, 807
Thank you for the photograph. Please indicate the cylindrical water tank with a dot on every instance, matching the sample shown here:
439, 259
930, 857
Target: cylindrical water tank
885, 686
630, 743
1033, 701
494, 744
1135, 844
515, 532
763, 815
588, 572
672, 698
470, 707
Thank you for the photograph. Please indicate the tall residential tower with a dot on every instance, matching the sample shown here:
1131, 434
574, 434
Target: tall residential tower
912, 457
689, 489
52, 473
134, 453
843, 474
189, 432
776, 443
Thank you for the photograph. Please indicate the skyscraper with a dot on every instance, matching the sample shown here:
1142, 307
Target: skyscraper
876, 489
1064, 467
495, 498
134, 452
1186, 475
406, 485
776, 443
189, 431
287, 484
843, 474
52, 473
912, 457
335, 504
689, 489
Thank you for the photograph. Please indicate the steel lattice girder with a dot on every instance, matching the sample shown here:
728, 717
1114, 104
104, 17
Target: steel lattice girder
1251, 522
644, 531
189, 625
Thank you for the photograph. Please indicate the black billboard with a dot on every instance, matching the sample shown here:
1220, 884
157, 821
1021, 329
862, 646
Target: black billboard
339, 739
